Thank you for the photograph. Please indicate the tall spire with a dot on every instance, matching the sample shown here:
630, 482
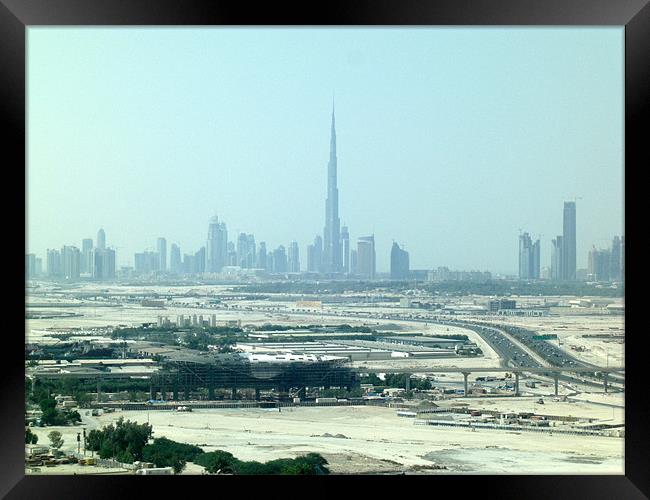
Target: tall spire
331, 240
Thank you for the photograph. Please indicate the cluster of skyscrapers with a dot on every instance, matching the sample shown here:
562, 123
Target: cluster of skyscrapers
70, 263
330, 255
607, 264
604, 265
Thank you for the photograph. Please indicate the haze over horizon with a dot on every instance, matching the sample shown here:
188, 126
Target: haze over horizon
449, 140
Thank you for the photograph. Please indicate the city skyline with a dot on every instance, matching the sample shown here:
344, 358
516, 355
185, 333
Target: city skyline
390, 185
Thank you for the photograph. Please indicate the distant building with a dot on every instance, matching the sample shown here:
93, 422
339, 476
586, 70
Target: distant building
354, 261
53, 263
599, 265
161, 246
366, 257
331, 258
318, 254
280, 260
189, 264
200, 260
501, 304
399, 263
146, 262
101, 239
443, 273
261, 256
217, 247
557, 259
529, 260
70, 263
30, 265
293, 258
86, 250
175, 259
623, 258
616, 258
103, 264
569, 241
345, 244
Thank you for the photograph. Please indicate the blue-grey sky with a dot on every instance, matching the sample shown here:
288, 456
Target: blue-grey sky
449, 139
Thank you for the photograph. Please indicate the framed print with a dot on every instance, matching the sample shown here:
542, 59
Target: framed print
384, 243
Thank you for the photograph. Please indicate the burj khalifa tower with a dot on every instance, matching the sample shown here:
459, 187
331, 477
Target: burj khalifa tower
332, 232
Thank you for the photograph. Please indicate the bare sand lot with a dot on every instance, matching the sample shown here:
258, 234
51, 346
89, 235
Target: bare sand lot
369, 439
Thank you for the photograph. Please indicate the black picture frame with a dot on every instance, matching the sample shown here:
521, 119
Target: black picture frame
634, 15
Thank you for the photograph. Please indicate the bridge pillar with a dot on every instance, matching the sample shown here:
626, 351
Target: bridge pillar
465, 375
556, 381
234, 393
408, 382
605, 374
151, 389
257, 394
163, 394
99, 383
187, 392
175, 392
516, 383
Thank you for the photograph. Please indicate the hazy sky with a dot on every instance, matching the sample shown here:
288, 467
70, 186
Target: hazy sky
449, 139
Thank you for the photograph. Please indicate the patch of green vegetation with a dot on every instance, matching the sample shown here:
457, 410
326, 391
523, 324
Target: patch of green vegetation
164, 452
123, 441
53, 416
225, 463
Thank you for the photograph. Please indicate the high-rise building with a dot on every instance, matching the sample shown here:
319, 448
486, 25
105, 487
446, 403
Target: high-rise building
38, 270
147, 262
53, 263
599, 265
353, 262
175, 259
529, 257
86, 250
569, 241
331, 236
623, 258
399, 263
103, 263
615, 260
311, 262
251, 255
109, 264
557, 259
70, 263
199, 260
101, 239
535, 272
319, 265
525, 254
217, 247
293, 258
366, 257
345, 244
242, 250
261, 256
161, 246
189, 264
280, 260
231, 254
30, 265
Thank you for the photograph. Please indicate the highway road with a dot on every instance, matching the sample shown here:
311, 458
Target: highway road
511, 354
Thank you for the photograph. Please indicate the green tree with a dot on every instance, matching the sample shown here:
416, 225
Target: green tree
30, 437
217, 461
55, 439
